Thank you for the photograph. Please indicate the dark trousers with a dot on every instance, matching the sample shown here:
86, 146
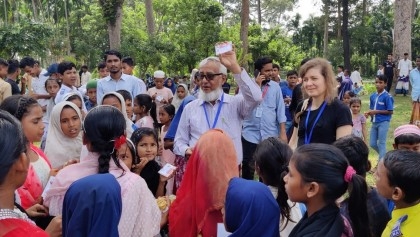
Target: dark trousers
389, 82
248, 163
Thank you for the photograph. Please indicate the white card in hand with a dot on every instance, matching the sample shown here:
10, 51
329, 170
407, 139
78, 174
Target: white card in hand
223, 47
167, 170
221, 231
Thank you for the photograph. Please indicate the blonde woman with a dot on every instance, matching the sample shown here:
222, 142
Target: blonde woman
322, 118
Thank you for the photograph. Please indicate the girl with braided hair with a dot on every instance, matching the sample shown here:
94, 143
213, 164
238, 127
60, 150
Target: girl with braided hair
103, 135
29, 113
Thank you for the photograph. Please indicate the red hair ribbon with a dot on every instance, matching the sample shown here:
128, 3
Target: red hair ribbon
348, 176
119, 142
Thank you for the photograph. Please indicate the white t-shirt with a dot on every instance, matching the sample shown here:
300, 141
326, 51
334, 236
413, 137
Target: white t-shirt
405, 66
38, 86
356, 78
86, 76
164, 93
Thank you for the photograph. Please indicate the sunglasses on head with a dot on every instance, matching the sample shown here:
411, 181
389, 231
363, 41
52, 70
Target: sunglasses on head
208, 76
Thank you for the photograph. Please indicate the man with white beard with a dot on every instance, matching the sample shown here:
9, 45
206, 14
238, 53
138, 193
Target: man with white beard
215, 109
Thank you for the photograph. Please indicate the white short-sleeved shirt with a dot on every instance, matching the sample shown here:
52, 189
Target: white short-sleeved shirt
405, 66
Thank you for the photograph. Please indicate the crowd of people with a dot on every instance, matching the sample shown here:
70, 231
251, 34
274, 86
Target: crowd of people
119, 156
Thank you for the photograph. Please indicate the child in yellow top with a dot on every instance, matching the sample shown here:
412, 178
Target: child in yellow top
397, 178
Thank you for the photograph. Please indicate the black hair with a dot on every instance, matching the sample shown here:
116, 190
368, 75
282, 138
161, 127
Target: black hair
18, 105
341, 66
27, 61
111, 95
153, 114
74, 97
137, 135
112, 52
350, 93
403, 171
101, 65
64, 66
144, 100
129, 61
259, 64
291, 73
327, 165
102, 126
52, 79
408, 138
170, 109
272, 157
275, 65
418, 56
355, 100
84, 66
4, 62
305, 60
125, 94
13, 66
382, 78
356, 152
133, 153
12, 142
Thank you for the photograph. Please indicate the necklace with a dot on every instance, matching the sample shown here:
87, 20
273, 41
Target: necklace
14, 214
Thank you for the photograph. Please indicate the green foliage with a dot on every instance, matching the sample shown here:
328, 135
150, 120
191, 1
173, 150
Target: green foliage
25, 38
109, 9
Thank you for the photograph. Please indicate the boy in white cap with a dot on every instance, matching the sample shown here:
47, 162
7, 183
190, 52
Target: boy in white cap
160, 94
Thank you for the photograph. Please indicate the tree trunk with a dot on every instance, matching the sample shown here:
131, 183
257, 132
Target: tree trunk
339, 19
114, 30
402, 28
326, 20
34, 10
364, 11
346, 37
67, 28
150, 19
244, 31
5, 12
259, 11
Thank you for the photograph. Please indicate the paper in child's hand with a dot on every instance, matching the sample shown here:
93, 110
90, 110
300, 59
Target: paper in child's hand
167, 170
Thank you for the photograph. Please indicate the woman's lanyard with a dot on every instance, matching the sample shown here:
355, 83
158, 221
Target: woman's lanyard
217, 114
308, 138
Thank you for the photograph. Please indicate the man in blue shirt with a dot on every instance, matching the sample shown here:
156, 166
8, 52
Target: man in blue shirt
287, 91
415, 81
266, 120
117, 80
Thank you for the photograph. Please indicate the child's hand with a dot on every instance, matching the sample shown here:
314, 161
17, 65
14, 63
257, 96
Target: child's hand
139, 167
37, 210
164, 178
54, 171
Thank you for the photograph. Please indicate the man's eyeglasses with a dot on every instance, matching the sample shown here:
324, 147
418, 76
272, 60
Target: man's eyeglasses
208, 76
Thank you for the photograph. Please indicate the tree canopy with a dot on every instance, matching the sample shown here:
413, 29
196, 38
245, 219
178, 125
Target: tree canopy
182, 32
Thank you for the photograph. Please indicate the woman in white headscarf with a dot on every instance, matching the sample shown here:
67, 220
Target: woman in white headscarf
181, 93
116, 100
64, 140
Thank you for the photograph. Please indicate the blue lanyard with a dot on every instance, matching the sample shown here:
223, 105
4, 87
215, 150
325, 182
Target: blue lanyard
217, 114
308, 138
